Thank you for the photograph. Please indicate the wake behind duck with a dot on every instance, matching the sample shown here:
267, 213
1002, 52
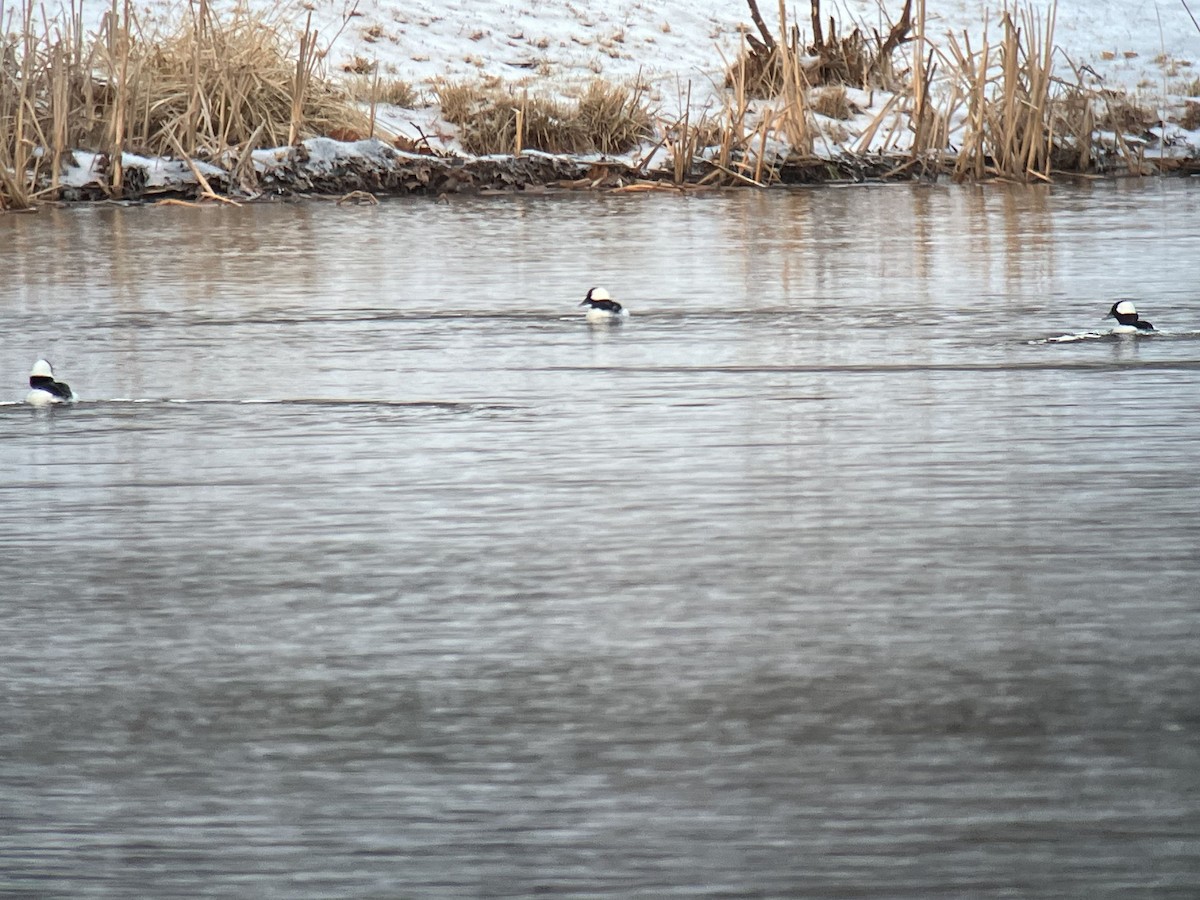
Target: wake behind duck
1128, 323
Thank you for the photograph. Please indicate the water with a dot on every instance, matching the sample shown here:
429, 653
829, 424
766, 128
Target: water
821, 577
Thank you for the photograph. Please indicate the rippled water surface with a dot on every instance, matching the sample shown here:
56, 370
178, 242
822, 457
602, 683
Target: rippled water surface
823, 576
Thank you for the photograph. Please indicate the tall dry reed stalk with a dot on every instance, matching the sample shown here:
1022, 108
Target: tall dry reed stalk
929, 123
1014, 123
741, 148
793, 118
118, 28
733, 135
519, 128
306, 60
682, 142
18, 134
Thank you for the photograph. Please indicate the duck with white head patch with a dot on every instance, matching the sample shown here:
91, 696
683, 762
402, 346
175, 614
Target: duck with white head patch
44, 390
1127, 319
602, 308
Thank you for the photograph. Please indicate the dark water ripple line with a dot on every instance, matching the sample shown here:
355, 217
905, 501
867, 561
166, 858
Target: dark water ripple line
329, 402
802, 311
1000, 367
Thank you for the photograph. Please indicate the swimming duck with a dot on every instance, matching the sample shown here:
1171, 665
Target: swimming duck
1127, 318
44, 390
601, 307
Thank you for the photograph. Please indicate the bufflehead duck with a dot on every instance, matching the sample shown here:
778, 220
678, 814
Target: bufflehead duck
1127, 318
44, 390
601, 307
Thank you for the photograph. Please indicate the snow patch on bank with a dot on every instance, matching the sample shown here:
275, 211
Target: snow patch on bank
85, 169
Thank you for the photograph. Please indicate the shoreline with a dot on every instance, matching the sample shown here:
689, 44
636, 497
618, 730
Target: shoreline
364, 171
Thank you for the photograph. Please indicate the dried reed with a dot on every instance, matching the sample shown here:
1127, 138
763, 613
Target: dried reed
833, 57
613, 118
831, 102
776, 66
372, 88
1014, 122
19, 132
218, 86
793, 118
493, 118
209, 84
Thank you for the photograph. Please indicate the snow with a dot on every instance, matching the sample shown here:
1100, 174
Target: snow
1151, 50
1140, 45
86, 169
1129, 43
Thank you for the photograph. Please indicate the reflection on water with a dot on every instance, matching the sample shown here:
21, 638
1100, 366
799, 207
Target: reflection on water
825, 575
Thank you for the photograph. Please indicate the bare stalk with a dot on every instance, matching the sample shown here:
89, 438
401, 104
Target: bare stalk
306, 61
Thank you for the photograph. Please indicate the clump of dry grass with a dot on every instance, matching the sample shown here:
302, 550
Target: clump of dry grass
495, 118
457, 99
39, 75
613, 117
1122, 114
372, 89
798, 80
831, 102
1025, 123
1190, 118
220, 81
1022, 120
211, 83
778, 69
852, 59
834, 56
1013, 120
14, 157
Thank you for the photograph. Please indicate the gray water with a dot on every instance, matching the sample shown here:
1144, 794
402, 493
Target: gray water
366, 568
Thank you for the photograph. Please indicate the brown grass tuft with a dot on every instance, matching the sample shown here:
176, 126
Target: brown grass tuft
217, 80
1124, 115
457, 99
1190, 118
496, 119
830, 101
614, 118
209, 83
371, 89
833, 57
1013, 123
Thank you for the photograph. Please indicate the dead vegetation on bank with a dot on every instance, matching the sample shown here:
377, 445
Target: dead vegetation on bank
218, 87
214, 85
996, 109
496, 118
